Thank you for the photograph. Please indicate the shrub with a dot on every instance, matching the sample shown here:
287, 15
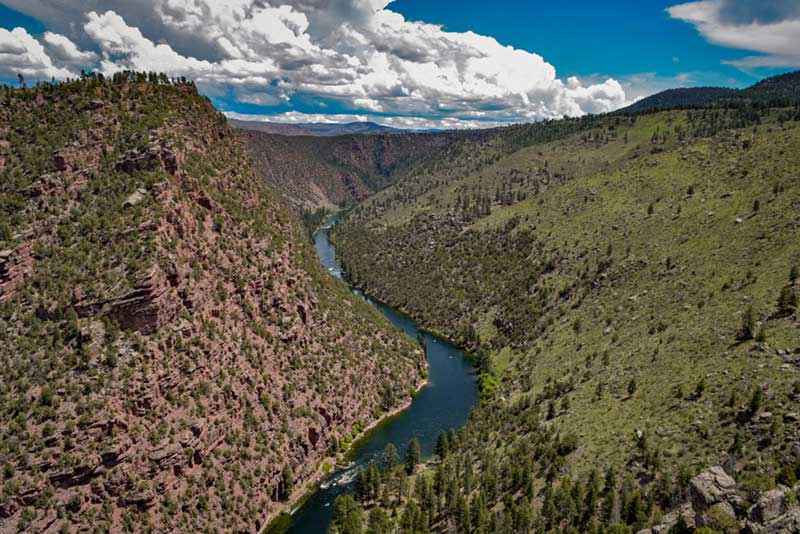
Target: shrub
747, 330
787, 476
787, 302
756, 400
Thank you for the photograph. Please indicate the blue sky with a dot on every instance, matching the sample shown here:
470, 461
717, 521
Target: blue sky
585, 38
412, 63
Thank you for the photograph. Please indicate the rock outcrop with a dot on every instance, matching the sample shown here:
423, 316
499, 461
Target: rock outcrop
718, 503
711, 489
15, 266
314, 172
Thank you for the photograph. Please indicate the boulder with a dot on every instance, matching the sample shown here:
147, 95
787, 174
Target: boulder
133, 200
769, 507
710, 487
142, 499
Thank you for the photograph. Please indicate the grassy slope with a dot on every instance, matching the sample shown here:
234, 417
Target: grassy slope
661, 294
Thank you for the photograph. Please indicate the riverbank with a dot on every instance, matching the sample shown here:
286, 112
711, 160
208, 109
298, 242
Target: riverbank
445, 404
402, 311
311, 485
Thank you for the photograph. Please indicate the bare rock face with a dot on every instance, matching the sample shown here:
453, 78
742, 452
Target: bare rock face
710, 487
150, 305
774, 513
15, 266
79, 474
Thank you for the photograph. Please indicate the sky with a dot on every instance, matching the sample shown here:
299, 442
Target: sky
408, 63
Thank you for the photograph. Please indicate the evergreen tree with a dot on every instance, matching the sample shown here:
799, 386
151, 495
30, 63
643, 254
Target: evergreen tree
389, 458
413, 454
287, 482
442, 446
373, 481
378, 522
347, 516
748, 329
361, 486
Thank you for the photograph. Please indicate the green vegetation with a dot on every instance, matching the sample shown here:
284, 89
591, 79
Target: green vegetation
172, 351
622, 281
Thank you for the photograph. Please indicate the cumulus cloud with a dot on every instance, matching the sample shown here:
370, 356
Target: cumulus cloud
769, 28
20, 53
356, 55
64, 51
408, 123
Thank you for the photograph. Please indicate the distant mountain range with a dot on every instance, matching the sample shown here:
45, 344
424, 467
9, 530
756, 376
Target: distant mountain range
775, 91
314, 129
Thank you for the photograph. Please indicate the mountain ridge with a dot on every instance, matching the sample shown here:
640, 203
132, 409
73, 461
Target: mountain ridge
628, 285
174, 356
316, 129
782, 89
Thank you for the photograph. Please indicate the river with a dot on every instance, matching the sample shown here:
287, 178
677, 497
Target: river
444, 403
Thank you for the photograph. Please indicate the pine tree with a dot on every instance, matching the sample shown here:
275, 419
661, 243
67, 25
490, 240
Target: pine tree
442, 446
373, 481
747, 331
378, 522
347, 515
361, 486
389, 458
287, 482
413, 454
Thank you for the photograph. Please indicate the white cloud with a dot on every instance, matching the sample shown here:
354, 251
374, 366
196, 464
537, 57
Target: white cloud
770, 28
63, 50
409, 123
20, 53
357, 53
124, 47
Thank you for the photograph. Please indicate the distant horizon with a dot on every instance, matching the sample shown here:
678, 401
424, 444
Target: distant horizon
409, 64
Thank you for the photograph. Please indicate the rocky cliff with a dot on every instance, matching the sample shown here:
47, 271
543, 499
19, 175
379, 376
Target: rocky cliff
173, 358
330, 172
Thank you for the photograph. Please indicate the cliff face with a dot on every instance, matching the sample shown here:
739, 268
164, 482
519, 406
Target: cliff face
172, 354
314, 172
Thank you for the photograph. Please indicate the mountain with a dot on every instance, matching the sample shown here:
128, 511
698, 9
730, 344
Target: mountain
314, 129
174, 358
333, 172
628, 286
775, 91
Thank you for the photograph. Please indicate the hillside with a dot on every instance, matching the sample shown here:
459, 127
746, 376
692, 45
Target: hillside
779, 90
314, 129
628, 284
173, 357
333, 172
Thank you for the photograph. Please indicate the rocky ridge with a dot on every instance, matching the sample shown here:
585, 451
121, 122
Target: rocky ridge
331, 172
173, 357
